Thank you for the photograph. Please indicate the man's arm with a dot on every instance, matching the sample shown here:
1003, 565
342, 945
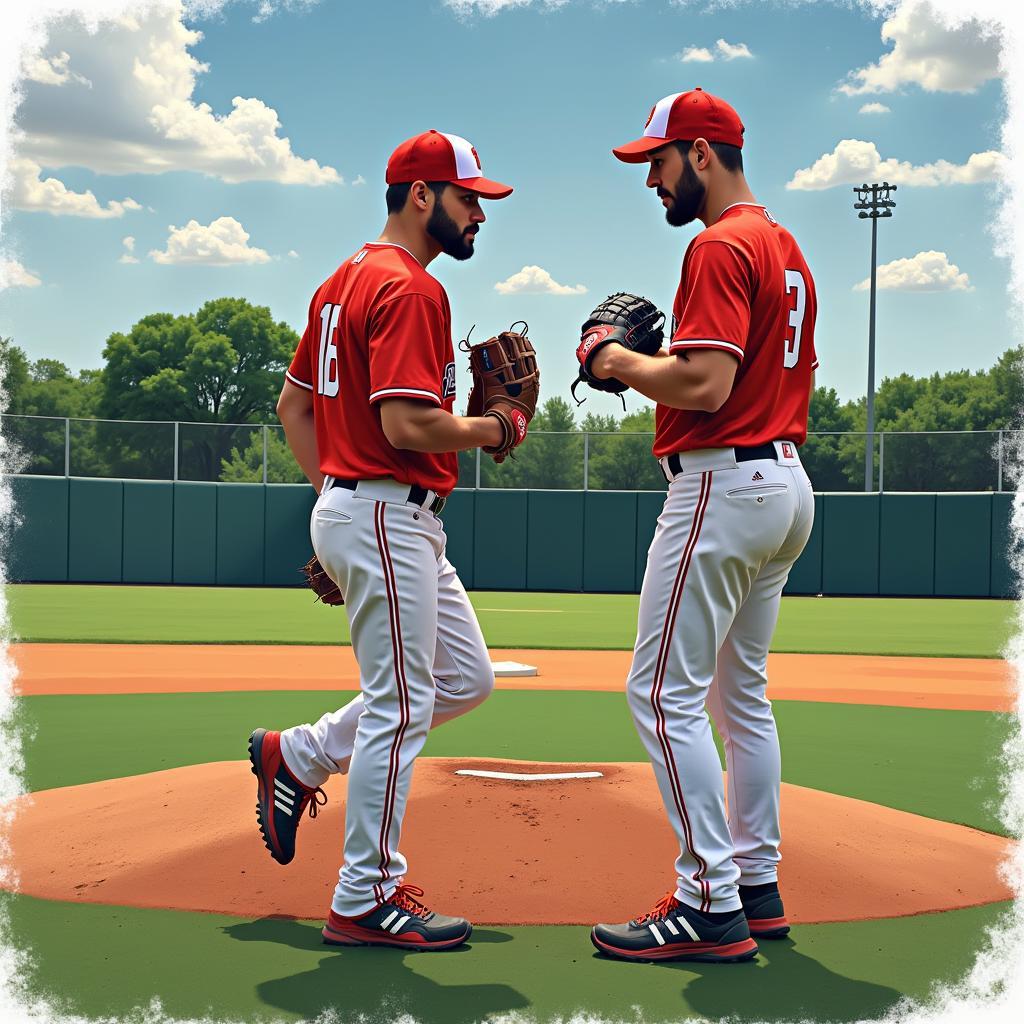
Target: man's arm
699, 379
419, 427
295, 411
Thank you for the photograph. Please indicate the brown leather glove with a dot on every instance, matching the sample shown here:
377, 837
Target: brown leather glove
506, 385
321, 584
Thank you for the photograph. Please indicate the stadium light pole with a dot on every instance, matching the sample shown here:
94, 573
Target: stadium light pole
873, 202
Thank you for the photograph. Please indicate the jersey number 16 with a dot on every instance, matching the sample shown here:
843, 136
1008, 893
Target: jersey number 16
327, 357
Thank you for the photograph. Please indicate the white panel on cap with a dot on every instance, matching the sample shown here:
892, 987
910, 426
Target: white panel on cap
465, 161
657, 128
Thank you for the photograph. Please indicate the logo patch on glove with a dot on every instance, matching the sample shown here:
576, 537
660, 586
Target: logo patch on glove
590, 339
519, 421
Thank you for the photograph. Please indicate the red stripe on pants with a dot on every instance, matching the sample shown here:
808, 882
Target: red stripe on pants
659, 679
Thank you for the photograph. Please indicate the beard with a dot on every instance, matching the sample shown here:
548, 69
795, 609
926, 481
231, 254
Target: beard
454, 241
688, 198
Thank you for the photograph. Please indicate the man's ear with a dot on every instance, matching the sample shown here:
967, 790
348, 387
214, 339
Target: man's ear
702, 153
418, 194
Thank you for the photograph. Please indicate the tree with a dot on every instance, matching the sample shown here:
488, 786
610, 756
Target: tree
221, 365
246, 465
623, 461
552, 462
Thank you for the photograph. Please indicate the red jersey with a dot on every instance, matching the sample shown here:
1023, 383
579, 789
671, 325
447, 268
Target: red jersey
745, 289
379, 327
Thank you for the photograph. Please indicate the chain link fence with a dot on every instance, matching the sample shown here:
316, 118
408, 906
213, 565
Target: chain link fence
576, 460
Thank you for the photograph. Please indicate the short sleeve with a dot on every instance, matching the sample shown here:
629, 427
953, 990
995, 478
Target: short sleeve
407, 349
716, 301
300, 371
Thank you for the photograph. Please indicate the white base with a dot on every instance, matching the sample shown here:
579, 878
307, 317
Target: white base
513, 668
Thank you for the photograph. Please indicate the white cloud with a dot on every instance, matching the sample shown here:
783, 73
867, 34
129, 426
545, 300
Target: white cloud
221, 243
940, 54
51, 70
730, 51
293, 254
874, 108
928, 271
696, 54
129, 248
140, 115
854, 162
359, 180
489, 8
30, 191
726, 51
14, 275
537, 280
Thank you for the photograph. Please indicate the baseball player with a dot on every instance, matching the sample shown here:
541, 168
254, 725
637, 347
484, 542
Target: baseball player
732, 391
367, 410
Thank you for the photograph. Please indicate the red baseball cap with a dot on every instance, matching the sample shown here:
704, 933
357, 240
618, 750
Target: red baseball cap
685, 115
437, 156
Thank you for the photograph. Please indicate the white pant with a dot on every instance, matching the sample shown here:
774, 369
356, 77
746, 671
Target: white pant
725, 541
422, 661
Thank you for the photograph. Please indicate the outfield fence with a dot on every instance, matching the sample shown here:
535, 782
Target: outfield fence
927, 461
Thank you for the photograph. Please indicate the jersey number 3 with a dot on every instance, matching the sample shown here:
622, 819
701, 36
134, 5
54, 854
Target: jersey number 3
327, 358
794, 283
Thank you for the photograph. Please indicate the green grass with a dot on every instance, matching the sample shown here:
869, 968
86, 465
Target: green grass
97, 960
108, 614
942, 764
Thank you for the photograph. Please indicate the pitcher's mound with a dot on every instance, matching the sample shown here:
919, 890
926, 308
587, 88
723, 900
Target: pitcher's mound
499, 851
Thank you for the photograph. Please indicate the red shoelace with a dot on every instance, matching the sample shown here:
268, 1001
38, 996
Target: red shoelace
404, 898
661, 910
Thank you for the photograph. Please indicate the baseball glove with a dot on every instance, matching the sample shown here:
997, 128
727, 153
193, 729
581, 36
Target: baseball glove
321, 584
506, 384
628, 320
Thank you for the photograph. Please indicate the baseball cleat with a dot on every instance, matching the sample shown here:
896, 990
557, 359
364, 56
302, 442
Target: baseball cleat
674, 931
280, 797
762, 906
401, 921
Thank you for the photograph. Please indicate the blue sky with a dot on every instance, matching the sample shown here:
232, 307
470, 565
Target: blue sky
543, 93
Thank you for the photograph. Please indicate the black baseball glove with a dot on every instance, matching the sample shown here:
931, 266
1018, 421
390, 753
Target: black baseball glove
623, 319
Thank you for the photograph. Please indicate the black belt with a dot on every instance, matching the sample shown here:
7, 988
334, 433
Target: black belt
417, 494
761, 451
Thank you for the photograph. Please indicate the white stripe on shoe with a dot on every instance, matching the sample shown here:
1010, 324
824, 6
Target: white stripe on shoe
397, 926
387, 920
654, 931
688, 927
670, 926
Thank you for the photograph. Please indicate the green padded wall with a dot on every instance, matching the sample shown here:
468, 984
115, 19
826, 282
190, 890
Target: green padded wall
554, 550
963, 545
907, 545
499, 542
850, 544
195, 533
240, 534
287, 547
37, 550
609, 541
87, 530
459, 518
95, 525
648, 507
1003, 583
148, 539
805, 576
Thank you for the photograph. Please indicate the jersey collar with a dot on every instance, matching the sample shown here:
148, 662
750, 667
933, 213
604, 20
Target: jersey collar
391, 245
732, 206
